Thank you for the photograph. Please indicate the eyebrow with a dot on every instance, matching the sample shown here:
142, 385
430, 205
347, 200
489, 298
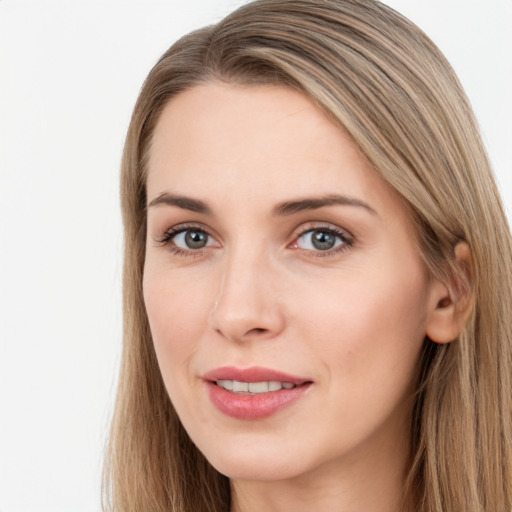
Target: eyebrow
281, 210
314, 203
186, 203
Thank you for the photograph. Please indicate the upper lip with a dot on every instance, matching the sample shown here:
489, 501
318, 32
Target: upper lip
252, 374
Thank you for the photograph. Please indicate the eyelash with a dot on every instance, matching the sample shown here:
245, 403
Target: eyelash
347, 241
171, 233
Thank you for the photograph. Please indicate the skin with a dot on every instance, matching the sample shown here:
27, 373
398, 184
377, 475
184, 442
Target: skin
352, 319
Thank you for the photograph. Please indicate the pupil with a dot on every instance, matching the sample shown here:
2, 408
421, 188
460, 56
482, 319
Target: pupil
195, 239
322, 240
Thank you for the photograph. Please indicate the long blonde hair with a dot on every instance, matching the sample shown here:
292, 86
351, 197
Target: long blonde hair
380, 78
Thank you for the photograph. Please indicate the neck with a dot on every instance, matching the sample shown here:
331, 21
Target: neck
359, 493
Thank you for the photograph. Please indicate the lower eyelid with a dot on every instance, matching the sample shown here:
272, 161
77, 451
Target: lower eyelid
188, 253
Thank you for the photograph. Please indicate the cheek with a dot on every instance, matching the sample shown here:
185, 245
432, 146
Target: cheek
177, 310
367, 336
373, 325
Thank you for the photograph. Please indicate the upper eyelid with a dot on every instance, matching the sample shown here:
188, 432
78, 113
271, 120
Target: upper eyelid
306, 227
341, 235
185, 226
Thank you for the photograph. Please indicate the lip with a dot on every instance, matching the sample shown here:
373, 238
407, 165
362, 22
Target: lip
253, 407
252, 374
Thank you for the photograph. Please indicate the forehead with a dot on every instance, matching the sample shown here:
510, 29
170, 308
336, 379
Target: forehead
258, 144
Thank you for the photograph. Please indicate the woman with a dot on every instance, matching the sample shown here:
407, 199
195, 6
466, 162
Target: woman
317, 275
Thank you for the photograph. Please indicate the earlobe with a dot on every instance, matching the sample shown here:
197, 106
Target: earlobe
453, 301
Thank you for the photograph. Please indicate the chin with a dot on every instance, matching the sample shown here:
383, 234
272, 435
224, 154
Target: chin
261, 471
258, 463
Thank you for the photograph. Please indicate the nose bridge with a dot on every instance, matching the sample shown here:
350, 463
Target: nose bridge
247, 305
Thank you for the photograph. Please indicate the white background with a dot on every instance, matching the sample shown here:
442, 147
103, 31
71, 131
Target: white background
70, 72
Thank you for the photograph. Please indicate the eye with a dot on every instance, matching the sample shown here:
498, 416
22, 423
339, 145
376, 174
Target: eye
322, 240
187, 240
192, 239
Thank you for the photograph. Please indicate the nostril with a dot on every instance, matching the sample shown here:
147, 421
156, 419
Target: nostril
257, 330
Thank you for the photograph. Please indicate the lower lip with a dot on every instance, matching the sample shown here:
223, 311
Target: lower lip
253, 407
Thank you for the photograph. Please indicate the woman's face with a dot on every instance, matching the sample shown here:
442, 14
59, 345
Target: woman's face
287, 301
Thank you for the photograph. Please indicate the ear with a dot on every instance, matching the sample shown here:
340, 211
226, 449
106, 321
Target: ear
453, 301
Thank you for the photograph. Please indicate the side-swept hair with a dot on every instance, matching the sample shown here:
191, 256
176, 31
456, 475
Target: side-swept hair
389, 87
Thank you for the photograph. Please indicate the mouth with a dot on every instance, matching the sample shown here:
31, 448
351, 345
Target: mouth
253, 388
253, 393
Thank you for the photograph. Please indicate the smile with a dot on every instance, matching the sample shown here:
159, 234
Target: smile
253, 393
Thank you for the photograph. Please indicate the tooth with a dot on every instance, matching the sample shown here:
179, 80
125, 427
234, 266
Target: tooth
274, 385
253, 387
226, 384
258, 387
240, 386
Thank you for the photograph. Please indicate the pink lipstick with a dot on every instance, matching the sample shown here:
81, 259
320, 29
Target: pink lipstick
253, 393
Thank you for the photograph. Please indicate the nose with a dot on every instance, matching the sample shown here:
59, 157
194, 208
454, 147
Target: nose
248, 305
